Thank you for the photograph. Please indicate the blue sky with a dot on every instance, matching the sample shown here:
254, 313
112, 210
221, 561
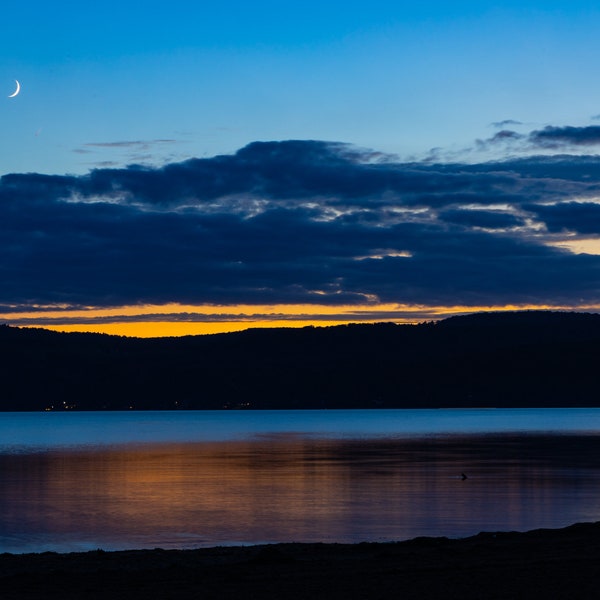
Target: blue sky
195, 79
299, 162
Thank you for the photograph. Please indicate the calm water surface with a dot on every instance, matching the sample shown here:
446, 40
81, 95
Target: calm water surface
78, 481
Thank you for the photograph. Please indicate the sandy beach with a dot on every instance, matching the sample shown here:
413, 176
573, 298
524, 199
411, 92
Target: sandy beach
559, 563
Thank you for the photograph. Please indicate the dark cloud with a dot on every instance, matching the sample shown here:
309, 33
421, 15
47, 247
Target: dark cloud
581, 217
504, 137
485, 219
555, 137
550, 138
506, 134
301, 222
270, 170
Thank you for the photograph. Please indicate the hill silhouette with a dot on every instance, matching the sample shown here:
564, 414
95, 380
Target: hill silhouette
520, 359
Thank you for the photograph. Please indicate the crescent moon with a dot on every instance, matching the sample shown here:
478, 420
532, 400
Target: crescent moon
17, 90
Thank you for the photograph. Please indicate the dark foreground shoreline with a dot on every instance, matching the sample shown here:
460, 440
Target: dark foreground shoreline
545, 563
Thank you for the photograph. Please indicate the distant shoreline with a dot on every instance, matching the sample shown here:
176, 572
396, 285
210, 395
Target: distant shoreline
506, 360
548, 563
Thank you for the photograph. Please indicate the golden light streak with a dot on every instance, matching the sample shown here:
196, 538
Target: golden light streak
580, 245
243, 310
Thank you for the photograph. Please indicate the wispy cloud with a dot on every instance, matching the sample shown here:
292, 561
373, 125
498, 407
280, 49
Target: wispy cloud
124, 152
506, 123
138, 144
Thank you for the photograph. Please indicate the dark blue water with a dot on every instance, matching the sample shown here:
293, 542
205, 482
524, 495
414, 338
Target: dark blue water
77, 481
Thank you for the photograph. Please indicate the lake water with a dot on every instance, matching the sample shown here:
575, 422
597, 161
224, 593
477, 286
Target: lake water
80, 481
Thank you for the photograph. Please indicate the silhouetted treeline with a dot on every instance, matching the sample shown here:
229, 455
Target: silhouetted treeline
523, 359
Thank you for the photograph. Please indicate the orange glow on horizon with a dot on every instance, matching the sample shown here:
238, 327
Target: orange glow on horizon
181, 328
180, 320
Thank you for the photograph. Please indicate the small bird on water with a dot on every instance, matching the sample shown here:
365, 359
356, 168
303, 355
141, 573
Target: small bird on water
463, 476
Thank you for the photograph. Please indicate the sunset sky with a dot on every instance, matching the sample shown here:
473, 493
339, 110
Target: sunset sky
186, 167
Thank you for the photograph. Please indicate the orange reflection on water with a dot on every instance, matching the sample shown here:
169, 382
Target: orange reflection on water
285, 489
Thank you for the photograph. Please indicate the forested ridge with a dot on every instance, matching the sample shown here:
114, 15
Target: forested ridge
519, 359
